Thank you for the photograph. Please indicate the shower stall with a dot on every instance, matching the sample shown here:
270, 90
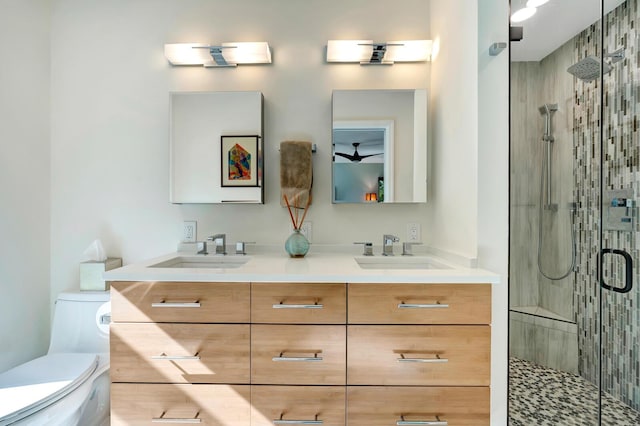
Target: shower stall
574, 297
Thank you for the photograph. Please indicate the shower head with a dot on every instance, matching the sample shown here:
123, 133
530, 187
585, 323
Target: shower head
588, 69
547, 109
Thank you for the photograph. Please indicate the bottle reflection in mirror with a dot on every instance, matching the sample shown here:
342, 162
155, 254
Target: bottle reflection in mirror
381, 189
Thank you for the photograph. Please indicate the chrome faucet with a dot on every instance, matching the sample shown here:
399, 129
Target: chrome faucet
368, 248
406, 248
220, 241
202, 247
241, 247
387, 244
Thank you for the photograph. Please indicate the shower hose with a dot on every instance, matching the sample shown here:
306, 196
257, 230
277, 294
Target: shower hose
572, 212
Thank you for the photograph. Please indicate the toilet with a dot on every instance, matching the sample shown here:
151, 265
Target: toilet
70, 384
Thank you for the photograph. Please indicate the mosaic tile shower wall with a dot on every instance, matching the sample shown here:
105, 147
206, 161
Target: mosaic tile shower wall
621, 170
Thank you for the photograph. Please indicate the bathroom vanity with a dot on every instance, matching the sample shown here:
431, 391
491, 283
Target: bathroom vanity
319, 340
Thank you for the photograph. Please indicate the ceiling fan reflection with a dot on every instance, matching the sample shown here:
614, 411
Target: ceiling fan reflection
356, 157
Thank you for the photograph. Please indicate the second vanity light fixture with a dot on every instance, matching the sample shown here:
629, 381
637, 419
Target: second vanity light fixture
368, 52
222, 55
527, 10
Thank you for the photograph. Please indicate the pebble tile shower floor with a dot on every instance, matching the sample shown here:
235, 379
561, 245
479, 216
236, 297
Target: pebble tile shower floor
542, 396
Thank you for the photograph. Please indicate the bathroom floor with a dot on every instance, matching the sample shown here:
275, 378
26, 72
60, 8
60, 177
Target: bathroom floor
547, 397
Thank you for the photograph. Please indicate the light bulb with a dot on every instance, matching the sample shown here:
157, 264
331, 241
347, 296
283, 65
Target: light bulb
536, 3
523, 14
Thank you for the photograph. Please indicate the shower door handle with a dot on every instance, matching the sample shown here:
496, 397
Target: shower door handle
628, 278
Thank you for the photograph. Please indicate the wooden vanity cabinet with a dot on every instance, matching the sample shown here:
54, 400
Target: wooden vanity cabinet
298, 303
442, 405
301, 403
418, 353
180, 352
180, 302
175, 353
423, 355
213, 405
419, 303
277, 353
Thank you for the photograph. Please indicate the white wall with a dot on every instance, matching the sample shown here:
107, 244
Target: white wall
453, 193
24, 180
470, 165
110, 85
109, 133
493, 185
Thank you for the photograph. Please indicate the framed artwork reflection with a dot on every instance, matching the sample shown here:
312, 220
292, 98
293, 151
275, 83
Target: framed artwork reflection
240, 158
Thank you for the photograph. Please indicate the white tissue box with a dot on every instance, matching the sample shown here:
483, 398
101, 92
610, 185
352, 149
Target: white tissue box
92, 270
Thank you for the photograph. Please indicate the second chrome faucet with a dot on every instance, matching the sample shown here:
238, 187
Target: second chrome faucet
387, 244
220, 241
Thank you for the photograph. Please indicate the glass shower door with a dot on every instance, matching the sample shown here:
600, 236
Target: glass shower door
554, 376
620, 191
575, 219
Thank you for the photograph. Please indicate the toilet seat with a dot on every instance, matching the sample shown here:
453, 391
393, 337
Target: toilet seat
36, 384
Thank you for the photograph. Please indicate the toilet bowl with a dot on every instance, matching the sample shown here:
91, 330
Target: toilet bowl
70, 384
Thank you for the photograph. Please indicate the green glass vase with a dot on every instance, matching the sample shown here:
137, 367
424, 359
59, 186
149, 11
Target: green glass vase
297, 244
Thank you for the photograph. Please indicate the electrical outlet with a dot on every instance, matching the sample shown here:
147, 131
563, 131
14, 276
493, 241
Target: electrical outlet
189, 231
413, 232
306, 229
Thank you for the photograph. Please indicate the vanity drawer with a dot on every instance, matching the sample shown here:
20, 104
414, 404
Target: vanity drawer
180, 353
298, 354
218, 405
298, 303
419, 355
419, 304
385, 406
290, 403
195, 302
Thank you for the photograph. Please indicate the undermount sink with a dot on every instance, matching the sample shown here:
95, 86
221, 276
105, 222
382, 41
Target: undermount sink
202, 261
399, 262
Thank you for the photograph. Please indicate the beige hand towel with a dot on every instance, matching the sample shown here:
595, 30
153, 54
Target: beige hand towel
296, 174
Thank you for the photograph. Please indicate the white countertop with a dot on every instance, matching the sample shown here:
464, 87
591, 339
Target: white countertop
318, 266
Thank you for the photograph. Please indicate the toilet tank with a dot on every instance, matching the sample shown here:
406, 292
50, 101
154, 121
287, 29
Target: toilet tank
76, 321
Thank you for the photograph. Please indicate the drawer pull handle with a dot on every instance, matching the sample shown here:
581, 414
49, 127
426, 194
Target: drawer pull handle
436, 422
436, 305
436, 360
281, 357
166, 357
282, 421
163, 419
164, 304
282, 305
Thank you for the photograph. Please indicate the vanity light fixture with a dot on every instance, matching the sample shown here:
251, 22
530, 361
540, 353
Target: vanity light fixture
536, 3
368, 52
223, 55
528, 9
523, 14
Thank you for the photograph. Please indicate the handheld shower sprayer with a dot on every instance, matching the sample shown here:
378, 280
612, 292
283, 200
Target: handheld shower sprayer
547, 111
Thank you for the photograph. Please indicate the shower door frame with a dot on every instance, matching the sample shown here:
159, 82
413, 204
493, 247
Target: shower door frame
595, 278
608, 290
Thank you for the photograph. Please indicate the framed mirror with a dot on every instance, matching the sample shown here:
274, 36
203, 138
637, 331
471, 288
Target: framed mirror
379, 140
216, 147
